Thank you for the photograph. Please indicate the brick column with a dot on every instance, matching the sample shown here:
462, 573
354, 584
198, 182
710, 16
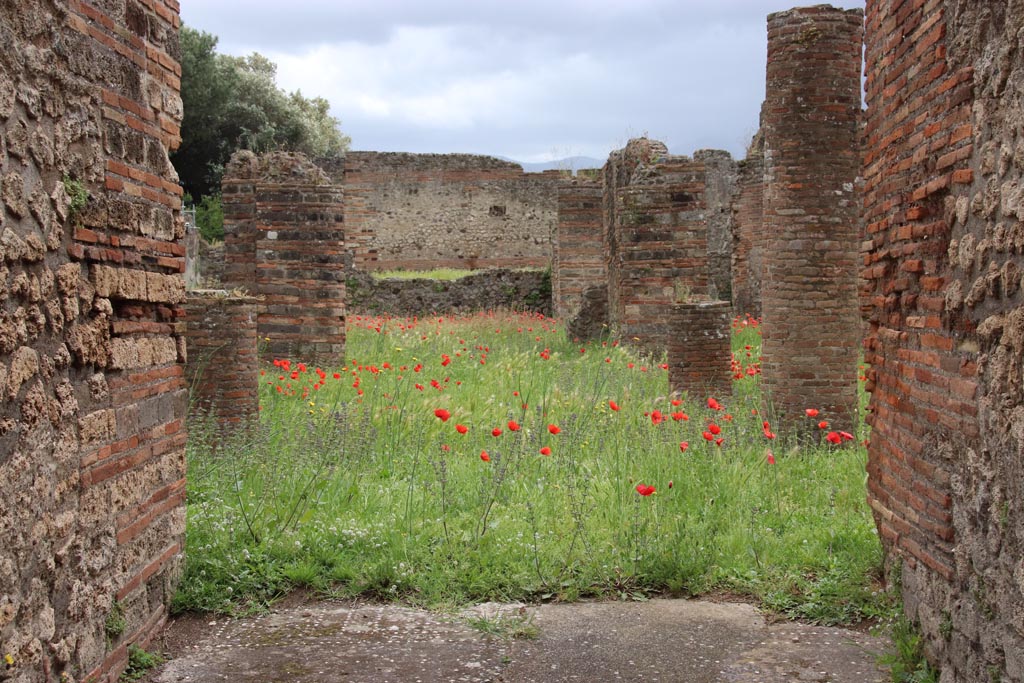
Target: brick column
579, 272
812, 158
238, 192
748, 231
700, 348
661, 240
222, 369
285, 242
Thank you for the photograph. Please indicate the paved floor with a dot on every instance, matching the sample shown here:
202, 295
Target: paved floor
656, 641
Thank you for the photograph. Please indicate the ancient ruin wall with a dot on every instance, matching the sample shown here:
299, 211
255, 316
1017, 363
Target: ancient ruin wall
943, 264
92, 396
812, 159
579, 273
285, 243
720, 193
615, 175
423, 211
660, 236
748, 231
223, 366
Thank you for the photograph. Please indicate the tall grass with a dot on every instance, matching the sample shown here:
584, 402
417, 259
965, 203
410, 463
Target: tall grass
354, 484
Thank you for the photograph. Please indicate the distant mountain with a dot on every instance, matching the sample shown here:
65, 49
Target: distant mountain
567, 164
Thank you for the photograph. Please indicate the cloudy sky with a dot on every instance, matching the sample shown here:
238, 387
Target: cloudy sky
532, 80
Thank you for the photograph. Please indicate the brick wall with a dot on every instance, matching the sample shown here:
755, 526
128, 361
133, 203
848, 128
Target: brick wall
285, 242
748, 231
942, 270
719, 195
700, 348
222, 370
92, 396
423, 211
488, 290
812, 158
578, 272
660, 242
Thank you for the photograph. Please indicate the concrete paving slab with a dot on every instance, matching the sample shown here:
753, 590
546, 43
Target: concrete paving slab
655, 641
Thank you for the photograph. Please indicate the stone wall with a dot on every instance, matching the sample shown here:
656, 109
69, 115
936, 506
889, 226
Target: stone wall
660, 247
812, 155
285, 243
222, 370
484, 291
748, 238
92, 397
579, 275
423, 211
943, 263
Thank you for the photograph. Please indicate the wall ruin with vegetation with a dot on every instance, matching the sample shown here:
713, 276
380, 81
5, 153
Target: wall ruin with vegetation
92, 397
943, 264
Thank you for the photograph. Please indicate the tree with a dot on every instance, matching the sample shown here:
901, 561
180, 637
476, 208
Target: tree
234, 103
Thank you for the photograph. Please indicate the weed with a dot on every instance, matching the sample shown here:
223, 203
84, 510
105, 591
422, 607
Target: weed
78, 195
115, 623
907, 663
139, 662
518, 626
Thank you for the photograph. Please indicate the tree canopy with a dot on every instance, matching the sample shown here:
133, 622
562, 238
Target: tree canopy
233, 103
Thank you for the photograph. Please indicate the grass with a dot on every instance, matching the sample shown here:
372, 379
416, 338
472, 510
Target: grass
353, 484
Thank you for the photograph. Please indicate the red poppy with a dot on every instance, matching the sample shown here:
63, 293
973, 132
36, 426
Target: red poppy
445, 360
461, 429
823, 425
554, 429
484, 456
719, 441
708, 436
680, 415
442, 414
670, 483
683, 445
657, 417
513, 426
676, 402
714, 429
771, 458
811, 412
445, 447
496, 431
834, 438
336, 375
545, 451
644, 489
613, 405
713, 404
846, 435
